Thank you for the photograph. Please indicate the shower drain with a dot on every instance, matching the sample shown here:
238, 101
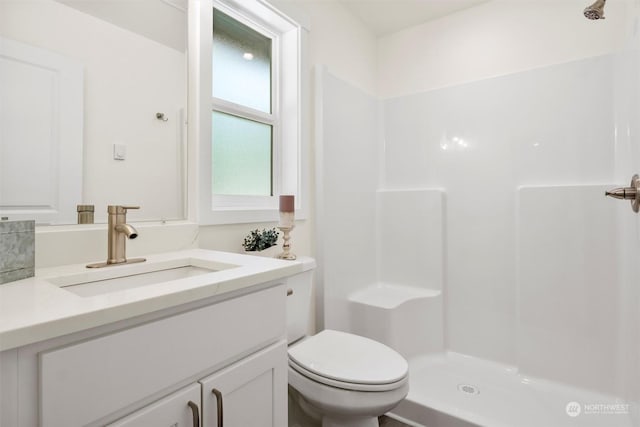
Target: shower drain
468, 389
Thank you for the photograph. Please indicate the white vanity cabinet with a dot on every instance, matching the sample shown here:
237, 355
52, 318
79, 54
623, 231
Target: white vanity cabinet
144, 372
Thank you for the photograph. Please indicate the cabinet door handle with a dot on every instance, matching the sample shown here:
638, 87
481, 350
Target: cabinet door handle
219, 404
196, 413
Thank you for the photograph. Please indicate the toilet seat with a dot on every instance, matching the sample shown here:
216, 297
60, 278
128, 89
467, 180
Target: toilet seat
346, 385
348, 361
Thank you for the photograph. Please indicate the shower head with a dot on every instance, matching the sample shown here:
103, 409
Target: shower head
596, 10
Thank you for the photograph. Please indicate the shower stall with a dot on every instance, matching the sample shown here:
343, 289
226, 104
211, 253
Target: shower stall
462, 216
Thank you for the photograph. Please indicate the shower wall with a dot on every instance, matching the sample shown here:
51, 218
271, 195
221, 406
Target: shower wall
524, 128
520, 126
627, 162
480, 142
488, 105
346, 182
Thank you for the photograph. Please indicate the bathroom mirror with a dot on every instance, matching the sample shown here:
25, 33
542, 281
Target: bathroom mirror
94, 108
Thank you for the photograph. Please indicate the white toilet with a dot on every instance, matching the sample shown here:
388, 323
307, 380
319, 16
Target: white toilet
345, 380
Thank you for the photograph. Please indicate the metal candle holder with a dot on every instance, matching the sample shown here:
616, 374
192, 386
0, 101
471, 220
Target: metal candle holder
286, 246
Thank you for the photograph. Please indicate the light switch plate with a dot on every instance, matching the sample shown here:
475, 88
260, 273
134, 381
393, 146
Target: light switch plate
119, 152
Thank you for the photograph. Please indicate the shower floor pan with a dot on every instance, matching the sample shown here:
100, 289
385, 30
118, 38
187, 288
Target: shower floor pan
453, 390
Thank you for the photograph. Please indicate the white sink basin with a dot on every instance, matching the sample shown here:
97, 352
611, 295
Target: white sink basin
117, 278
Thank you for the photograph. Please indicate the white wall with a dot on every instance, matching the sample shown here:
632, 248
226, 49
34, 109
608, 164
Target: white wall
495, 38
337, 40
168, 26
128, 78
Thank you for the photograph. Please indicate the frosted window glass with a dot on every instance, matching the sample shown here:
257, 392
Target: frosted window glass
241, 64
241, 156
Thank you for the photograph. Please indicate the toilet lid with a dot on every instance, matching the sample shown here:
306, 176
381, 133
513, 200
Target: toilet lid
349, 358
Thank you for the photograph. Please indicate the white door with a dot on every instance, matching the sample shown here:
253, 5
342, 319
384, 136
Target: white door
41, 101
249, 393
180, 409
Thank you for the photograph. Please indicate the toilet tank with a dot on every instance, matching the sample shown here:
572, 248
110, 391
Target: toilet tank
299, 301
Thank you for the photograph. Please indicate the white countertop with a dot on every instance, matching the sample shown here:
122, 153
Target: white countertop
35, 309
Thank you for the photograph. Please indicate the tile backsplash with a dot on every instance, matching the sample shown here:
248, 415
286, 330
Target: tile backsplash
17, 250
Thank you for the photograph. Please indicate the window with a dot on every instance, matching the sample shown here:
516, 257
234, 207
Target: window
243, 115
242, 157
252, 150
241, 64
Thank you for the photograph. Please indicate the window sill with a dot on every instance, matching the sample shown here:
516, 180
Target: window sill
244, 216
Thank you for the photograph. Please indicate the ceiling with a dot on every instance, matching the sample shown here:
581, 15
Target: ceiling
388, 16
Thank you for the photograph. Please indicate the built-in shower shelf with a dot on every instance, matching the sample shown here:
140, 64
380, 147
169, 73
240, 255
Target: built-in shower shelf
406, 318
390, 296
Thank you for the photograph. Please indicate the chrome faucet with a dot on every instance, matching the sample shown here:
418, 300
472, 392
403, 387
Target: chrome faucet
119, 231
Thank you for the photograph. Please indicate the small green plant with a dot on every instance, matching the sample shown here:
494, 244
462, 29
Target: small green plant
258, 240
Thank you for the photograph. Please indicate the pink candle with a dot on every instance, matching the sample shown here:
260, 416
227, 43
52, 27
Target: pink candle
287, 210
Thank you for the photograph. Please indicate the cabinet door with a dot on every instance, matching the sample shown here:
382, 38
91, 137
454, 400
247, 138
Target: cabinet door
180, 409
249, 393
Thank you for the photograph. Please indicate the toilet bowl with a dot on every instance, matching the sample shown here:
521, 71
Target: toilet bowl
346, 379
340, 379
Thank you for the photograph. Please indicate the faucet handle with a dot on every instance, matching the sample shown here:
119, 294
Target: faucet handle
632, 193
119, 209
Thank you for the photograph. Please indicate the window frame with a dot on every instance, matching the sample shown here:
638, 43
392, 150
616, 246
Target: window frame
286, 100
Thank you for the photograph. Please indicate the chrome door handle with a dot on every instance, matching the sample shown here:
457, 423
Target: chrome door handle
219, 406
196, 413
631, 193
